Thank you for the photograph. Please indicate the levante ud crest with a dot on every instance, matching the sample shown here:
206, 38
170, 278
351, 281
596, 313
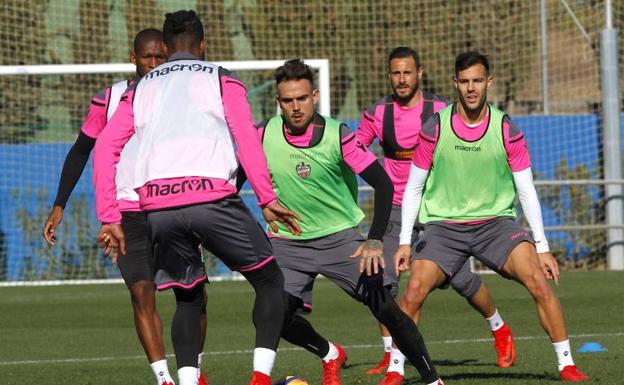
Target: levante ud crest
303, 169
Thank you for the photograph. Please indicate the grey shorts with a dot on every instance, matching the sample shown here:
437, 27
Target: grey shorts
226, 228
450, 245
464, 282
301, 261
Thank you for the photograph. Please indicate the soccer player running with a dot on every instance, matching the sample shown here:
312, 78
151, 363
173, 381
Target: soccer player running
395, 121
136, 266
188, 115
313, 161
468, 166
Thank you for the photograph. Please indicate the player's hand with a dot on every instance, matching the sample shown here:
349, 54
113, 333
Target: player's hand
401, 258
371, 252
276, 212
50, 225
112, 238
550, 266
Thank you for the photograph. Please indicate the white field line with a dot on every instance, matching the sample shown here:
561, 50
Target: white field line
249, 351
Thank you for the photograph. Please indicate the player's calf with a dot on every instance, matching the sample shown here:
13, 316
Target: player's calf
268, 317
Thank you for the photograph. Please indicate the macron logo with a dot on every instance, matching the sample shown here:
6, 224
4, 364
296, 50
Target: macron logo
156, 190
461, 147
195, 67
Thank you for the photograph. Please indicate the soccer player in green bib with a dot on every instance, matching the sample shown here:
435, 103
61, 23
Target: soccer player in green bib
469, 164
313, 161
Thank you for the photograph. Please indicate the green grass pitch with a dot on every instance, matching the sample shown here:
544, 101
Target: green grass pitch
85, 335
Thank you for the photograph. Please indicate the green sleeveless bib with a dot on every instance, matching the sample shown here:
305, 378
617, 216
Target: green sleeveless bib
469, 181
314, 182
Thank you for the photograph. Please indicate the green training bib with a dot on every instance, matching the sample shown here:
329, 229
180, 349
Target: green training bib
469, 181
314, 182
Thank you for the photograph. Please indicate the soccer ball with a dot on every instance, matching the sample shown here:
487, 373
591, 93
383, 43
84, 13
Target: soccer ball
292, 380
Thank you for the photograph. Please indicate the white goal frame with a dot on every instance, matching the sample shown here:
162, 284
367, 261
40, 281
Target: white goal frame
321, 65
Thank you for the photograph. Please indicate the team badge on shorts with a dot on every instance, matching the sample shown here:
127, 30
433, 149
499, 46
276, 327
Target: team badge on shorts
303, 169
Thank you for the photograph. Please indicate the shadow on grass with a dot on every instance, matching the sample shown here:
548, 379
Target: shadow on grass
466, 362
488, 376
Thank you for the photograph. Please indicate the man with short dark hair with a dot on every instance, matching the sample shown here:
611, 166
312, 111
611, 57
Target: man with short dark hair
136, 266
313, 162
468, 166
395, 121
193, 125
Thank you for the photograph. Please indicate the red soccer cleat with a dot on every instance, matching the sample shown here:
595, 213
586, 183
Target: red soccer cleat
382, 366
202, 378
331, 369
260, 379
167, 383
392, 378
505, 347
571, 374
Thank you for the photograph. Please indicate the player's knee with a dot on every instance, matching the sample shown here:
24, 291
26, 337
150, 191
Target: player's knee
468, 288
192, 298
266, 277
142, 294
414, 296
538, 286
291, 304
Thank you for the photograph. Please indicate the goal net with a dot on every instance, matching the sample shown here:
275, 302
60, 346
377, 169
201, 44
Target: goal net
32, 158
545, 59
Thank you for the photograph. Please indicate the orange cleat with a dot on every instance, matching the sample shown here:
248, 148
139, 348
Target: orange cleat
260, 379
505, 347
392, 378
571, 374
382, 366
331, 369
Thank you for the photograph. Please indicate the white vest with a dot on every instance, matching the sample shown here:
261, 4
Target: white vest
180, 124
124, 177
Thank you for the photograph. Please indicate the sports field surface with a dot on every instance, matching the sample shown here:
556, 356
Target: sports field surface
85, 335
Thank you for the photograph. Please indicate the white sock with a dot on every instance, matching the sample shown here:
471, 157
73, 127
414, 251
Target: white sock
161, 371
263, 360
564, 354
199, 357
436, 382
397, 361
496, 321
332, 354
387, 343
187, 375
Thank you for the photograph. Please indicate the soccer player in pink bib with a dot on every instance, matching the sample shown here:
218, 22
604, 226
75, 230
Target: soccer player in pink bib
136, 266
